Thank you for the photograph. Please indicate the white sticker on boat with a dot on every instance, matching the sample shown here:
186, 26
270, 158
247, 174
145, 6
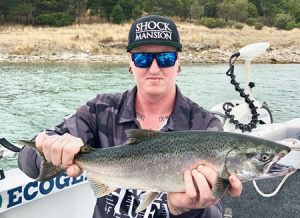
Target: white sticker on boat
34, 190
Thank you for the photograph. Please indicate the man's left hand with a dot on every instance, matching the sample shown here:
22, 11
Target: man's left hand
198, 193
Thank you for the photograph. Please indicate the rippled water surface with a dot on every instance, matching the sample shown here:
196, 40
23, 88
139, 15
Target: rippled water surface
37, 96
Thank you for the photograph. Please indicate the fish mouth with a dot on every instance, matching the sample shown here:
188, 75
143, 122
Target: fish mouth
278, 169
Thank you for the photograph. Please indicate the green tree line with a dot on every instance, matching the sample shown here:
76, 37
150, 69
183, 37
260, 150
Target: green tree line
283, 14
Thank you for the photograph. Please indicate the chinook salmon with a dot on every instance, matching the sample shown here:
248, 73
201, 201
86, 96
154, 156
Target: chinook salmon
155, 161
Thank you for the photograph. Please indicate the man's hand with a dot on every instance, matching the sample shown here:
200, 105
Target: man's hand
198, 193
235, 188
60, 150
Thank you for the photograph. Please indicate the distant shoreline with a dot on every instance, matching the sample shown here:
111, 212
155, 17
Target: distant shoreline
212, 58
105, 43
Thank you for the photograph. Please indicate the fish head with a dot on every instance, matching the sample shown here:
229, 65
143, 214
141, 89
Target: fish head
257, 161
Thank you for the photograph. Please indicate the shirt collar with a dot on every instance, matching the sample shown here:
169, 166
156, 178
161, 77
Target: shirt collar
178, 120
127, 113
180, 116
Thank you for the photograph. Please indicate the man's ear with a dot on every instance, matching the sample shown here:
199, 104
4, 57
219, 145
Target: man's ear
130, 70
178, 62
129, 56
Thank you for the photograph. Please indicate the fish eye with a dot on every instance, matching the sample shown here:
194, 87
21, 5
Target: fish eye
265, 157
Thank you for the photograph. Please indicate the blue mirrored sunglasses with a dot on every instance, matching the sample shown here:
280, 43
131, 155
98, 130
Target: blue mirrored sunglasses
163, 59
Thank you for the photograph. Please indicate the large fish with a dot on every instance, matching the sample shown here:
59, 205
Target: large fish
155, 161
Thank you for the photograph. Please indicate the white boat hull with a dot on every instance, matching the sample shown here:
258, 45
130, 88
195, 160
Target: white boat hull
26, 198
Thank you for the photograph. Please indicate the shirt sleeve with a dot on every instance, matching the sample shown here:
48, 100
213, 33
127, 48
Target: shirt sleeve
81, 124
29, 162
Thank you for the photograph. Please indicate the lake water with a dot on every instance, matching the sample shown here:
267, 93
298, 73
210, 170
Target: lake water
37, 96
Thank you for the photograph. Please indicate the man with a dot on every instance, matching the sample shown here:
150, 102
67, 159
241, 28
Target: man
154, 103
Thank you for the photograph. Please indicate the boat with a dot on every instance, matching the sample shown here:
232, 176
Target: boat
21, 196
277, 197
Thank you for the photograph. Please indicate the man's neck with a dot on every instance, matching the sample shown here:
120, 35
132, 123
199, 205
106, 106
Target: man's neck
152, 112
155, 105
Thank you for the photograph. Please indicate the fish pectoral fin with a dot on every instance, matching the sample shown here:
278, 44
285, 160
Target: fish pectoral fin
99, 188
220, 187
147, 199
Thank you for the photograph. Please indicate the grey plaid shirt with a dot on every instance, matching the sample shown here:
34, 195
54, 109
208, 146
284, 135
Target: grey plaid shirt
102, 123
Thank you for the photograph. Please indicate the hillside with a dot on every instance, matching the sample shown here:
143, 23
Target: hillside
106, 43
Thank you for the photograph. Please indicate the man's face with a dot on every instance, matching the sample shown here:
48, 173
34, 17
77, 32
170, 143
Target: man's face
155, 80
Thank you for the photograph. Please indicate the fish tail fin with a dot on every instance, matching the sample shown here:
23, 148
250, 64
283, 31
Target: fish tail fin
220, 187
47, 170
32, 145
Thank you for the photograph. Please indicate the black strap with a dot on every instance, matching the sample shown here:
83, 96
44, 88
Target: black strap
9, 145
2, 176
227, 106
60, 130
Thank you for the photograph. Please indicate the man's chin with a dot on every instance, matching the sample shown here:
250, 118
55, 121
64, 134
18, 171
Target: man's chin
155, 91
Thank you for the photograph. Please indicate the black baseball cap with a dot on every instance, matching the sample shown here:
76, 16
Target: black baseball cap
153, 30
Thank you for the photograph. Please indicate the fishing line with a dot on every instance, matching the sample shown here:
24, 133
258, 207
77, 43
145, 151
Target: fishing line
276, 190
294, 144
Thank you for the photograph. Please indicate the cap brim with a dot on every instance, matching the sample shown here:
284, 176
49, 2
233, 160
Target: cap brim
176, 45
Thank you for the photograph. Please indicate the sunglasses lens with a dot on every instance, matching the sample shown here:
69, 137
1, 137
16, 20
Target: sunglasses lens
142, 60
166, 59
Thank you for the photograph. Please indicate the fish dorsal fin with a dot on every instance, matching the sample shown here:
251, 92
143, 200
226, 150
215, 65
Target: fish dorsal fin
98, 187
147, 199
135, 136
220, 187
